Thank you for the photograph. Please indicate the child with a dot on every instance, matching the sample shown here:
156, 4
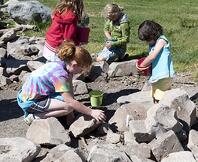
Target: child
65, 17
117, 32
159, 57
48, 91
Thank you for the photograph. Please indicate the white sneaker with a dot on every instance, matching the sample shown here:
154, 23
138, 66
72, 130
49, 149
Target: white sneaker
30, 118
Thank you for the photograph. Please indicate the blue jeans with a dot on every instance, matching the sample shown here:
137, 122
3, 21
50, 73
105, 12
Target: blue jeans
112, 54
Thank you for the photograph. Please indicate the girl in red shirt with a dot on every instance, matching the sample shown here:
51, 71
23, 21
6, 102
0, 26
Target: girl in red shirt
65, 18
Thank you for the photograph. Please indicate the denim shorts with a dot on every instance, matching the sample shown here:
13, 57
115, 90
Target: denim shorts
112, 54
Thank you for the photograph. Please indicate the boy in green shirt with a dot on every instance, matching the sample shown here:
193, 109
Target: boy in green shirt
117, 32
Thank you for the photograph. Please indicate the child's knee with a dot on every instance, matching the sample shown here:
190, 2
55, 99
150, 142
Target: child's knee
99, 58
67, 109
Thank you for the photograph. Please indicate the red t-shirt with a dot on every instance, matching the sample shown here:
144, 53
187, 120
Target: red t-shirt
63, 27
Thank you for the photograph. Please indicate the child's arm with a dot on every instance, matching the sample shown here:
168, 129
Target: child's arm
107, 30
76, 105
107, 35
125, 29
158, 47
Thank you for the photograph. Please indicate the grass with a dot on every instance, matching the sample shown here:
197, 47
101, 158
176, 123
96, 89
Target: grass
178, 18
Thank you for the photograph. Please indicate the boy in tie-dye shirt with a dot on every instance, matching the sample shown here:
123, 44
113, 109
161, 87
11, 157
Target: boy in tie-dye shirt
48, 90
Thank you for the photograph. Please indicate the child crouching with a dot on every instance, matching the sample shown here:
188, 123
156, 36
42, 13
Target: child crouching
48, 91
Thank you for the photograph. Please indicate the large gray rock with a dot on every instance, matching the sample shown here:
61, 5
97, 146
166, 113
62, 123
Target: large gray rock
134, 111
25, 48
107, 153
142, 150
161, 118
182, 156
47, 131
28, 11
143, 97
98, 71
79, 87
17, 149
124, 68
63, 153
82, 126
193, 143
138, 129
179, 100
56, 152
165, 144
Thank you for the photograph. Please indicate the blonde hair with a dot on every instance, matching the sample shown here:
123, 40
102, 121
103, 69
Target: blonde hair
114, 8
77, 6
68, 52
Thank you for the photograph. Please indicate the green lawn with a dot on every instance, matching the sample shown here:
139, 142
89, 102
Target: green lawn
178, 17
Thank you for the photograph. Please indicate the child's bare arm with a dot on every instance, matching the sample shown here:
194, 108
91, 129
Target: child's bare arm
158, 47
76, 105
107, 35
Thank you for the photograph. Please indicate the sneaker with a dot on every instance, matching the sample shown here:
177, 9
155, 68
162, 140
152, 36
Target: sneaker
30, 118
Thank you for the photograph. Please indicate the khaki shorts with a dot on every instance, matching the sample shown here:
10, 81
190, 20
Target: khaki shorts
159, 87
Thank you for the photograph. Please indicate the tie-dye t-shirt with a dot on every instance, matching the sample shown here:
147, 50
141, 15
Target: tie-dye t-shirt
45, 81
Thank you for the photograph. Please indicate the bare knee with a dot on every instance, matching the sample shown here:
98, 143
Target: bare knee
99, 58
68, 109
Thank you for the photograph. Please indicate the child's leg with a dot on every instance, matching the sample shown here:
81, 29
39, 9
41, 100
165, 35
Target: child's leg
106, 55
159, 87
100, 58
56, 108
48, 108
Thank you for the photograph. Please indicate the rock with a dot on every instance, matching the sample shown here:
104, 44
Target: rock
182, 156
107, 153
79, 87
48, 131
17, 149
28, 11
136, 111
82, 126
179, 100
193, 143
143, 97
138, 129
161, 118
124, 68
165, 144
62, 153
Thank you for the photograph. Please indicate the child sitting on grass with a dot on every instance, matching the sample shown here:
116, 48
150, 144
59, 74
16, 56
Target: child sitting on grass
48, 91
159, 57
117, 32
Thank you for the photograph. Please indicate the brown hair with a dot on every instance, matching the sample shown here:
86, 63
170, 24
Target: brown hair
76, 6
68, 52
149, 30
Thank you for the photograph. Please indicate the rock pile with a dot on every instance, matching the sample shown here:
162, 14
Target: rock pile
138, 131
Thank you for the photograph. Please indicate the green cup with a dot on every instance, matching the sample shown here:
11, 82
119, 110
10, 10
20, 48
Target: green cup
96, 98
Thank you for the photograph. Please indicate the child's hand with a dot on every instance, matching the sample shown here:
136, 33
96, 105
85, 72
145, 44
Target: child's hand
140, 69
108, 44
98, 115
